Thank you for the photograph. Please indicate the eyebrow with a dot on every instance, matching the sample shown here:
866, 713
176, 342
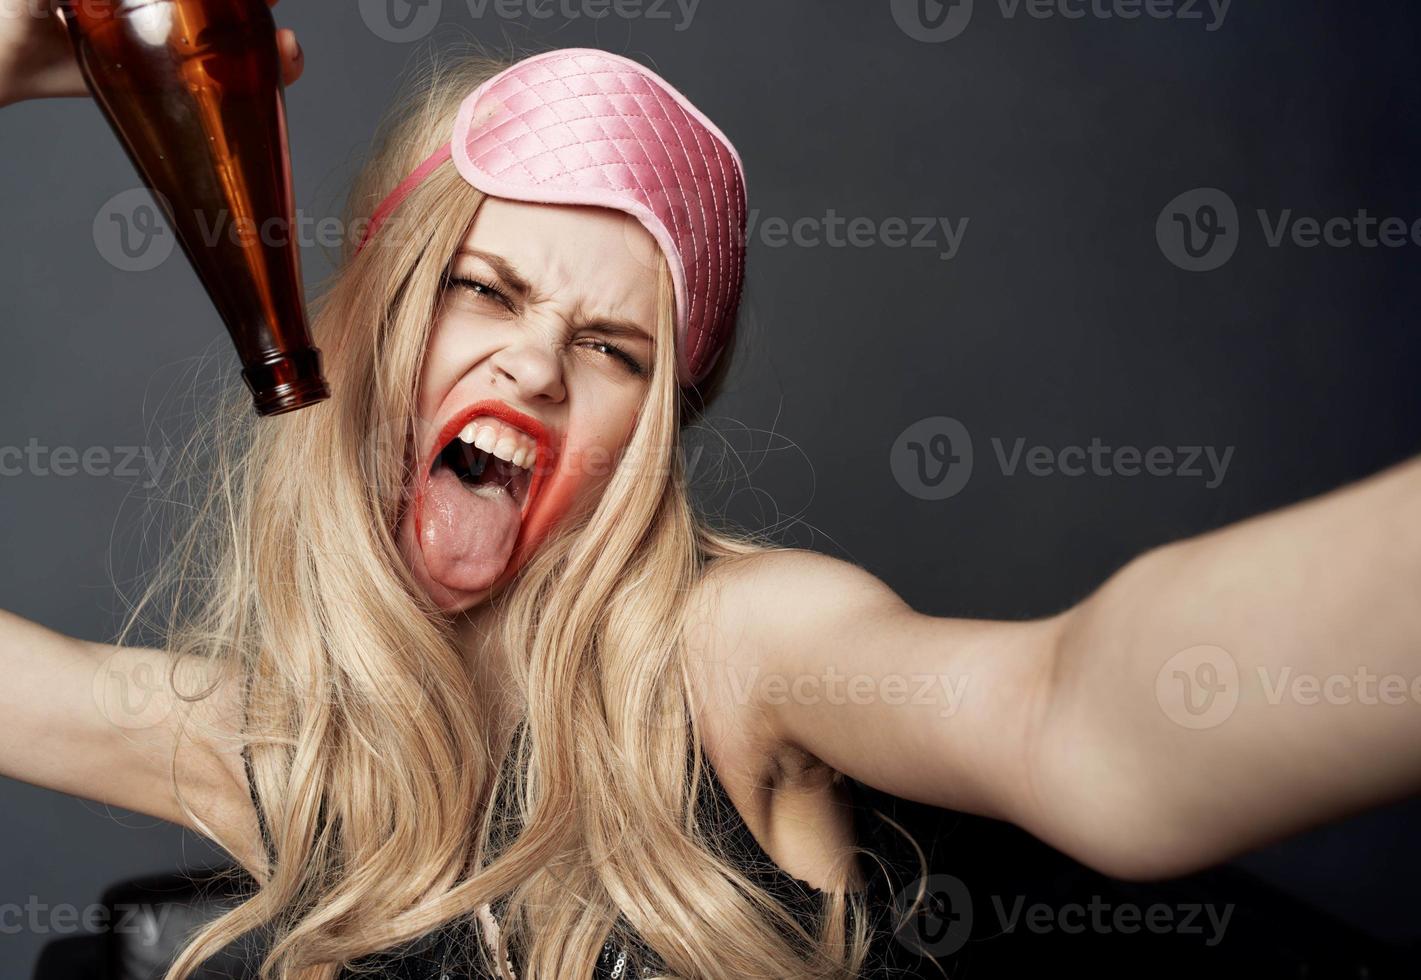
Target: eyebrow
515, 281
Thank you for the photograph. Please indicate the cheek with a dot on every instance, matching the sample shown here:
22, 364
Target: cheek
565, 491
440, 368
593, 448
574, 485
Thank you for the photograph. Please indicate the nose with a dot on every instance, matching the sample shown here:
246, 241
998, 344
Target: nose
534, 371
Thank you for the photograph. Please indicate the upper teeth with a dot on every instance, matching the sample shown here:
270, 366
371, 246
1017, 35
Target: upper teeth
502, 440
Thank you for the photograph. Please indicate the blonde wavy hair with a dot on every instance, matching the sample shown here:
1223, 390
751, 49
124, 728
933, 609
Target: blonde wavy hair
368, 740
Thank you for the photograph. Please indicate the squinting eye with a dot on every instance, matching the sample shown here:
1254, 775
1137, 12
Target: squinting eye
478, 288
612, 350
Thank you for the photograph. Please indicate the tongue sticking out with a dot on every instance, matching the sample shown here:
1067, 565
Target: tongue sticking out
466, 532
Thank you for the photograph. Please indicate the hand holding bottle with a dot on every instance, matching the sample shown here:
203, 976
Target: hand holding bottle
37, 59
194, 91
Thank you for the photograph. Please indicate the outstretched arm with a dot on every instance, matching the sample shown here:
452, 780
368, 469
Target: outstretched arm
107, 723
1213, 696
1249, 683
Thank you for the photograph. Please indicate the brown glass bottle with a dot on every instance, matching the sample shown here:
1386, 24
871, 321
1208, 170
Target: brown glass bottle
193, 90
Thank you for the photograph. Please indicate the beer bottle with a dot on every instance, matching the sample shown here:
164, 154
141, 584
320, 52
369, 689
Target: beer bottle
193, 90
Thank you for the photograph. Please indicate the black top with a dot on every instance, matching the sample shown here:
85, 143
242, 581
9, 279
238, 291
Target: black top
433, 957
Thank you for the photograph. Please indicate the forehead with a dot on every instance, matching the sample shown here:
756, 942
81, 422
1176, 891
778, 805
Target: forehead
594, 255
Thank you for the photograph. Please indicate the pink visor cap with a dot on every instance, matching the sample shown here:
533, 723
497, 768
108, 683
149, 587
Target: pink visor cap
583, 126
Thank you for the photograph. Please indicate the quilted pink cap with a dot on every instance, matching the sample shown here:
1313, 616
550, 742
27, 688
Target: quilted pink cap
583, 126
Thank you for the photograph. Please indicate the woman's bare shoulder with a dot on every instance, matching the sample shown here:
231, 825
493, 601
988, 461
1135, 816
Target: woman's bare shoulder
737, 616
757, 599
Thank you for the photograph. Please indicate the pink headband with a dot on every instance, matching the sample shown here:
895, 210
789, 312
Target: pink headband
582, 126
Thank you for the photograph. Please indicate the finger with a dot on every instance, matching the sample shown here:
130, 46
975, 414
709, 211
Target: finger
62, 81
293, 59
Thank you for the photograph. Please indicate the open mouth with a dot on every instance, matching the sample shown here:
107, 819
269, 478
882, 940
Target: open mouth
490, 457
482, 476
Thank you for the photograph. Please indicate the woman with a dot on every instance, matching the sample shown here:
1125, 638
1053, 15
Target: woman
454, 650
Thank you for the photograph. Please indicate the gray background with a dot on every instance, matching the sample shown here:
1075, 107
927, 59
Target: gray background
1059, 320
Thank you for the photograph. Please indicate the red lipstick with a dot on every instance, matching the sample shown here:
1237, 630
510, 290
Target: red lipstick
545, 456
